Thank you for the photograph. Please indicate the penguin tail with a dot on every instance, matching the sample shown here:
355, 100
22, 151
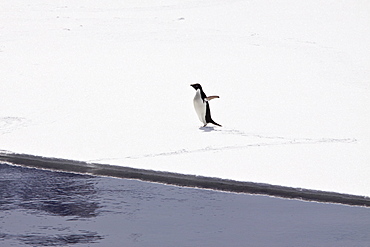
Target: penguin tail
213, 122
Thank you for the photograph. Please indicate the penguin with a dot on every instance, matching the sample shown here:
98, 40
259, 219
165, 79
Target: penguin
201, 105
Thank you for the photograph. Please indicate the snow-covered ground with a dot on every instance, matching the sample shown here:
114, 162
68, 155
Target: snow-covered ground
109, 82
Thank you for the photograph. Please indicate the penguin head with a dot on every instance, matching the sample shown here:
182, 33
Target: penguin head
196, 86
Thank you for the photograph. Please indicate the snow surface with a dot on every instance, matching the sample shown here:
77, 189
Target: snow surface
109, 82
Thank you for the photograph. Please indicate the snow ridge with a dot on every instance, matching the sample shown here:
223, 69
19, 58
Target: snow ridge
268, 141
10, 124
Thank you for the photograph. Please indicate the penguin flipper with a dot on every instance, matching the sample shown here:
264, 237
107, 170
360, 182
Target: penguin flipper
212, 97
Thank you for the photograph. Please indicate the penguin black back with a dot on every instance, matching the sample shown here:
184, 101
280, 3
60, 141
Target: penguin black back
208, 116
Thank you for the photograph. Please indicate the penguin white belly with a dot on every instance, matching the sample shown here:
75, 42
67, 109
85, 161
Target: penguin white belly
200, 107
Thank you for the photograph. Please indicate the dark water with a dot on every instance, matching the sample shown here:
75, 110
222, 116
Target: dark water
44, 208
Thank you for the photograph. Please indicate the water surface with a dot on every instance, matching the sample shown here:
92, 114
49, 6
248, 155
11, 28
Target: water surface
45, 208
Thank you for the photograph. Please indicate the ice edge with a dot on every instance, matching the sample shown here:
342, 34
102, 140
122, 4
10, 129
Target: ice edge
181, 179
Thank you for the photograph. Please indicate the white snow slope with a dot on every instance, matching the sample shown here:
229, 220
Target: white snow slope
109, 82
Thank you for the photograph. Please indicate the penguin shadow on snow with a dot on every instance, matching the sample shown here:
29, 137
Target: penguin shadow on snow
207, 129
